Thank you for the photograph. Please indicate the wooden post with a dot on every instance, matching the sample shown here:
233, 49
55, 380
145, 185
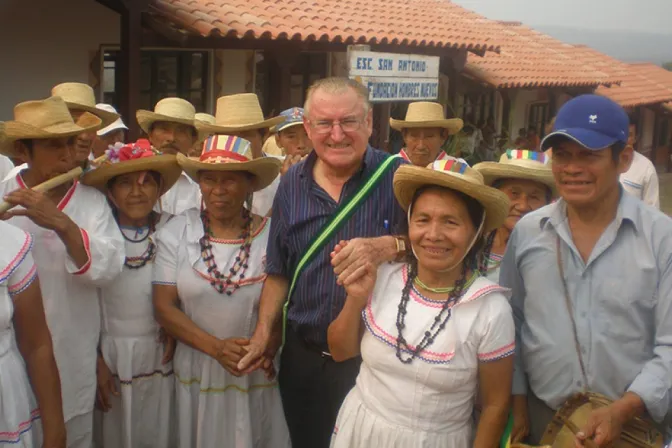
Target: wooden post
282, 63
129, 64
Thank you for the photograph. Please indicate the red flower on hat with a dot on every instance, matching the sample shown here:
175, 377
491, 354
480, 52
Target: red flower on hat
137, 150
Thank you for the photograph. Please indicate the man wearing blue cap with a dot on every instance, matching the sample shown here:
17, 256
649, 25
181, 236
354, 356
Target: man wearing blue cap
291, 136
591, 280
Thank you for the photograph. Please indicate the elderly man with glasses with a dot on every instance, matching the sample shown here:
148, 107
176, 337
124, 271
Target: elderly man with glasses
338, 120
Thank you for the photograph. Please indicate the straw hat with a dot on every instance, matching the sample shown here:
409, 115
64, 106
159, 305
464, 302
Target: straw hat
238, 113
519, 164
229, 153
271, 148
457, 176
131, 158
79, 96
424, 114
49, 118
172, 110
205, 118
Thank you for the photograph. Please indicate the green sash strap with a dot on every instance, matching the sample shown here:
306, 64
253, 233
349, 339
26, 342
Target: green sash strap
328, 231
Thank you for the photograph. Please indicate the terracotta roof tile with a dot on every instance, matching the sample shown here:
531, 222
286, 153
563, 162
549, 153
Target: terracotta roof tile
642, 84
435, 23
529, 58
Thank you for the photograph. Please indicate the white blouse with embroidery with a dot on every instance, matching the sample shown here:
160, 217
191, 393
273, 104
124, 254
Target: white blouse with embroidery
427, 403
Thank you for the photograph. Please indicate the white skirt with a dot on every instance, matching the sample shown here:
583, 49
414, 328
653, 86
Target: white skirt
19, 416
217, 409
357, 426
143, 414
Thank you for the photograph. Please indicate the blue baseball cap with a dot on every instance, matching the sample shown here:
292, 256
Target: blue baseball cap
592, 121
293, 117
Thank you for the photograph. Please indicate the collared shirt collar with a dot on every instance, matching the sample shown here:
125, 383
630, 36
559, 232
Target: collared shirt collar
626, 211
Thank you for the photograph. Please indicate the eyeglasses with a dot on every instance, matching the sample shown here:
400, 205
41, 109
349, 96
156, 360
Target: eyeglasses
325, 126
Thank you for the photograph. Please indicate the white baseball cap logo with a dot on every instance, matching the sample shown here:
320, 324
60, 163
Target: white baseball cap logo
593, 119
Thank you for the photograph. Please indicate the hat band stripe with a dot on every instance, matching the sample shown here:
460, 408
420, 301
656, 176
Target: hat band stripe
223, 154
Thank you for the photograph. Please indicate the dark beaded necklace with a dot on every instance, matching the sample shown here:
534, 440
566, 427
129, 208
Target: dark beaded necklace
149, 253
221, 283
440, 320
142, 260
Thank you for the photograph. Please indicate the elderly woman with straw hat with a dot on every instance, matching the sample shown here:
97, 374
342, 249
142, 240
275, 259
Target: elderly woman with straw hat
430, 330
170, 129
208, 278
526, 178
78, 247
241, 116
425, 129
135, 381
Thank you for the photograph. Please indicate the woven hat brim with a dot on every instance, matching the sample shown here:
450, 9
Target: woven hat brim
166, 165
493, 171
219, 129
16, 130
146, 118
264, 169
106, 117
408, 179
453, 125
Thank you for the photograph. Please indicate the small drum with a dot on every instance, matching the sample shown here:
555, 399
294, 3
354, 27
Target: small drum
561, 431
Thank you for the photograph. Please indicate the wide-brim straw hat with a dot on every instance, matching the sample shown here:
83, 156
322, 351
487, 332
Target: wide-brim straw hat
229, 153
49, 118
204, 118
238, 113
132, 158
457, 176
426, 114
79, 96
519, 164
171, 110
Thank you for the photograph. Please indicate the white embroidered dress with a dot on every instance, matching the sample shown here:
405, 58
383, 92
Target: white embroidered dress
214, 408
18, 409
143, 415
429, 402
70, 293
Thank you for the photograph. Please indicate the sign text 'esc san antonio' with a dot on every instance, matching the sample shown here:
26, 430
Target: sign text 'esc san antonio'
396, 77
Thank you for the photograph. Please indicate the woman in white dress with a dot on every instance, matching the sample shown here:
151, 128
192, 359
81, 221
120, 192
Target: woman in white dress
135, 376
208, 277
431, 332
527, 179
26, 353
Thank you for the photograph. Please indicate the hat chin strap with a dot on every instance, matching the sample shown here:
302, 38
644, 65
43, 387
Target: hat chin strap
471, 245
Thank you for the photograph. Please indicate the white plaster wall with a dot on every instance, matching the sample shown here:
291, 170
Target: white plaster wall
46, 42
234, 72
519, 108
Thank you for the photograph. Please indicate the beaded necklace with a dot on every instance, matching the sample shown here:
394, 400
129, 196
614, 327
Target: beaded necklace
149, 253
440, 320
221, 283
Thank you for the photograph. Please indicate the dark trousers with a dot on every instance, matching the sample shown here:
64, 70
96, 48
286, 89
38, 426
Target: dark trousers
313, 388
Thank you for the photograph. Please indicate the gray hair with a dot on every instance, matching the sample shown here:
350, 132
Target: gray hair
337, 85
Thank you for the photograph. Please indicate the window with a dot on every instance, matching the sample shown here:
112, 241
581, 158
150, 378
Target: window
182, 74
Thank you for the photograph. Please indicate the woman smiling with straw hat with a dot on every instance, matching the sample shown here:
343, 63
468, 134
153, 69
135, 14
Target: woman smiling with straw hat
208, 278
433, 329
135, 381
